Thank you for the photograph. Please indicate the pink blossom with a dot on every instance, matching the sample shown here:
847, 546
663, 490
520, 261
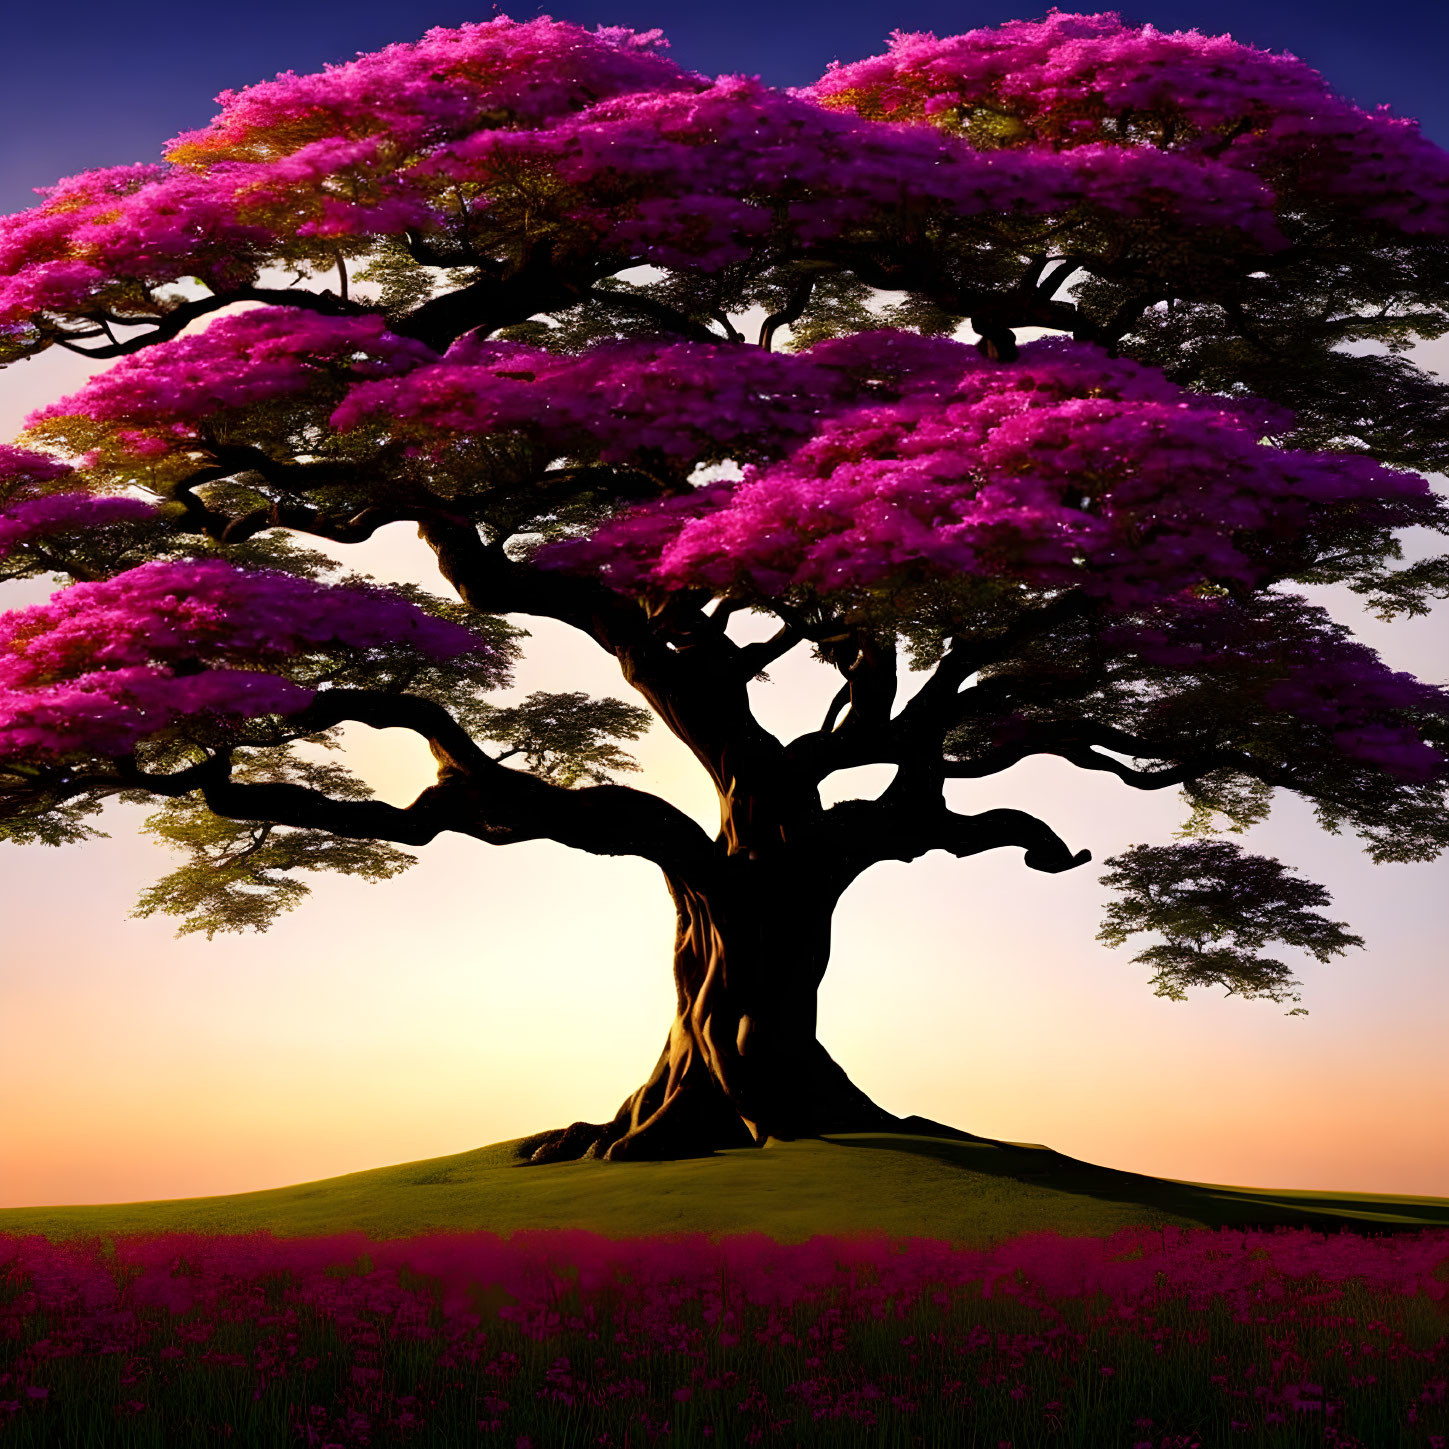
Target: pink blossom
622, 399
525, 72
96, 667
696, 178
1077, 81
100, 232
66, 512
22, 471
1305, 666
1064, 468
252, 357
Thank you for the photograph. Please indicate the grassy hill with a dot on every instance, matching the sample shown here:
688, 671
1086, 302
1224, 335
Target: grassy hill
972, 1193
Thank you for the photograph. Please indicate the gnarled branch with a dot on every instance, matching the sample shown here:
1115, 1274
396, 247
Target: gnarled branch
167, 325
671, 319
1080, 743
866, 832
478, 796
791, 312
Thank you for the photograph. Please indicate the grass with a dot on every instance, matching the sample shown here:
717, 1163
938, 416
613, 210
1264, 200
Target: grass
971, 1193
1173, 1341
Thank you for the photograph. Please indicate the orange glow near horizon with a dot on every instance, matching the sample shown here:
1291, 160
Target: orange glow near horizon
492, 992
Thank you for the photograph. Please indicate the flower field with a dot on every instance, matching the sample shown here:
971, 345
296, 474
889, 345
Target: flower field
1148, 1339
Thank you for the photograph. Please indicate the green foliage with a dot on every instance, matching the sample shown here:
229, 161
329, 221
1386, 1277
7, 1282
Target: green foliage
837, 308
838, 305
240, 875
915, 313
1411, 590
274, 550
566, 738
39, 818
97, 552
402, 282
1237, 801
1217, 909
101, 552
1074, 677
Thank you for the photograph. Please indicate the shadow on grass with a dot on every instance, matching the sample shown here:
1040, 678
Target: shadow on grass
1210, 1204
922, 1180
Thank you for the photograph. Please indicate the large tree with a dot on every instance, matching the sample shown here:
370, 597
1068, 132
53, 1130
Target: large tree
638, 351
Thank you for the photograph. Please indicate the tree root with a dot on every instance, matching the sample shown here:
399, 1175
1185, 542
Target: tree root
611, 1141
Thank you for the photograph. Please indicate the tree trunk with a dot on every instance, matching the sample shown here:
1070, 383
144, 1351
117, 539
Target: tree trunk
741, 1062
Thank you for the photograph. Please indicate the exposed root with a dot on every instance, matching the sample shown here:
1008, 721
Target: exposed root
563, 1144
670, 1140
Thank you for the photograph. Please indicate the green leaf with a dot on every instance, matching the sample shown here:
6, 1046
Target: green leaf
239, 874
1217, 908
568, 737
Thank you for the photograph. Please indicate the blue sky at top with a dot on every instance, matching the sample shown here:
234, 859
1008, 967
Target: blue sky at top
100, 83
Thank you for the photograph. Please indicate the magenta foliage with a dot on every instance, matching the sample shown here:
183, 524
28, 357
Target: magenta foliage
452, 80
67, 513
351, 133
871, 459
1313, 671
712, 1323
1066, 468
533, 1267
625, 399
695, 179
258, 356
622, 149
104, 664
23, 473
1075, 81
147, 223
1069, 467
525, 171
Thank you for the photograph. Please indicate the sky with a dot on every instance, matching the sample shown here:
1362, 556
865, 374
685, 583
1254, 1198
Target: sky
492, 992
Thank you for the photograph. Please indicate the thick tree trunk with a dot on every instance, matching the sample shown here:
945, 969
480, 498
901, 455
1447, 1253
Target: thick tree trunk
741, 1062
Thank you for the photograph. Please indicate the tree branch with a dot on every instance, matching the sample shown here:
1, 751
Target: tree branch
298, 517
478, 796
756, 658
684, 665
837, 707
670, 318
475, 794
865, 832
1079, 743
791, 312
864, 736
170, 324
487, 580
992, 313
494, 301
932, 712
259, 839
1049, 284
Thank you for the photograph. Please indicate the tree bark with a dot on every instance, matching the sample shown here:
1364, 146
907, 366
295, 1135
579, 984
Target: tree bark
741, 1062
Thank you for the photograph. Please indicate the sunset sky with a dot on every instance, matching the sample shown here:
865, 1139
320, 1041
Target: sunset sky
493, 992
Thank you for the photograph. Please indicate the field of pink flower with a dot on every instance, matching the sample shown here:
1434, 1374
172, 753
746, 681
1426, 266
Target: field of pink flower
1149, 1339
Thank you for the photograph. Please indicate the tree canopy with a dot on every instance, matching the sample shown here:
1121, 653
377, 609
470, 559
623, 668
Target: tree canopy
638, 349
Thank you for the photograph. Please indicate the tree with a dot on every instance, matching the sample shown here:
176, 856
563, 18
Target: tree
496, 284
